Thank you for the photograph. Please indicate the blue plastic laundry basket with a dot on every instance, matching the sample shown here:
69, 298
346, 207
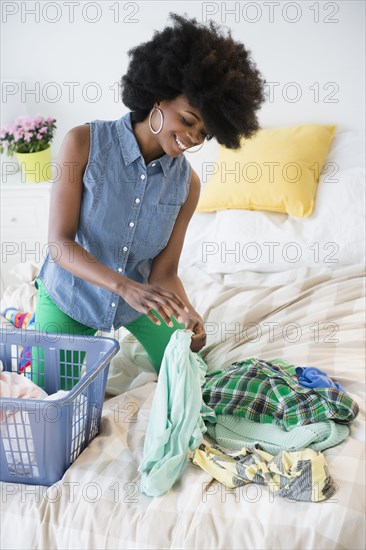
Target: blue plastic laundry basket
40, 439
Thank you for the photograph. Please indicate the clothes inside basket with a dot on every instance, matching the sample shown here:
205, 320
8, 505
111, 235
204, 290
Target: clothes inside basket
18, 439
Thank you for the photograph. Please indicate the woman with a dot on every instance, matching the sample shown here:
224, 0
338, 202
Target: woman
118, 219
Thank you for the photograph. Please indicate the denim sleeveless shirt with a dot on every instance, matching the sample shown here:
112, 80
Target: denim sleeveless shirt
127, 214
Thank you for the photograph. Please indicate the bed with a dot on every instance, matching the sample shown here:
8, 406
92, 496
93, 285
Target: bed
308, 313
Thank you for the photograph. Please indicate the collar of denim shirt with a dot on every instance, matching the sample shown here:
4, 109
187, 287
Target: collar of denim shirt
130, 147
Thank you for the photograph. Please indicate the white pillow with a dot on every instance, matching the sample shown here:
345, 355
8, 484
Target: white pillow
348, 151
233, 240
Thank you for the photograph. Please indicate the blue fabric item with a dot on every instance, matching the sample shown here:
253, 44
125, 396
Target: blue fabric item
119, 190
311, 377
176, 421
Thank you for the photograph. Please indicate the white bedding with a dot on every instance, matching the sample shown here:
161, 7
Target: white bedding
98, 505
230, 241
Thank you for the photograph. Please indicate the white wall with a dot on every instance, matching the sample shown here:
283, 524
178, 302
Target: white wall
313, 53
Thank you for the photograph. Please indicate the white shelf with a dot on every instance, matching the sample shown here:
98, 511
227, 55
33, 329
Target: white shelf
24, 222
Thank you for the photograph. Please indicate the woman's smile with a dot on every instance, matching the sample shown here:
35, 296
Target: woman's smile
181, 145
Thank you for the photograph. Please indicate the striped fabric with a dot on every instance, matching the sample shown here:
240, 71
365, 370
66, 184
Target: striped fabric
268, 392
300, 475
234, 432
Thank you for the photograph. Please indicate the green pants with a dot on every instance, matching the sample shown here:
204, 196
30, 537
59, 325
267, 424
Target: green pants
49, 318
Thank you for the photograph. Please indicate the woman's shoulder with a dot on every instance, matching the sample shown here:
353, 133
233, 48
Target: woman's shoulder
81, 133
78, 138
76, 144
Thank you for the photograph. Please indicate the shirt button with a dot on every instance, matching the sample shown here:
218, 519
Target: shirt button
143, 176
113, 304
153, 164
124, 248
137, 200
120, 269
131, 224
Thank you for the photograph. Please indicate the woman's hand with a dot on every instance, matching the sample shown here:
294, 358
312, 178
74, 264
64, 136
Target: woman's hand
194, 322
144, 297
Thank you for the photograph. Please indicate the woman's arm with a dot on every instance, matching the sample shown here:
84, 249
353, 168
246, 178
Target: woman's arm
165, 266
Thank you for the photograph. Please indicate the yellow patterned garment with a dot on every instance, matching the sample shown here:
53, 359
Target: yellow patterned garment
298, 475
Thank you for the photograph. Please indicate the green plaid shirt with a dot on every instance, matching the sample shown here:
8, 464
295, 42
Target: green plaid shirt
268, 392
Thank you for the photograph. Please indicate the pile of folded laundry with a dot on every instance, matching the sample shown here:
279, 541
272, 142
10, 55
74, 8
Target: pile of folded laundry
271, 421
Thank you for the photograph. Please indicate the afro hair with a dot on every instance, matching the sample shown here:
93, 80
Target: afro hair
211, 70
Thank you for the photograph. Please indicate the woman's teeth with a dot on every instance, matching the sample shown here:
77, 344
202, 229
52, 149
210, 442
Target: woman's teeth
180, 144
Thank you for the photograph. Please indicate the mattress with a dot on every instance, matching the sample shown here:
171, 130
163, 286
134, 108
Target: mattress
306, 316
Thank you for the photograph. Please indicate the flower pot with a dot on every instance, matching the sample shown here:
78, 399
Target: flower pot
36, 167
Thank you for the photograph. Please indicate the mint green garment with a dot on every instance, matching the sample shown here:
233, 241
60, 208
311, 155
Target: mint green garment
176, 421
235, 432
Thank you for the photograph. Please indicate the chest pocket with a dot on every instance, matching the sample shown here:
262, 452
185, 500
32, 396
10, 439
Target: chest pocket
160, 224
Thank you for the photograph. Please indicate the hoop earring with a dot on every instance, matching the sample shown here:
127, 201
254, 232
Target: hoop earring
196, 151
161, 123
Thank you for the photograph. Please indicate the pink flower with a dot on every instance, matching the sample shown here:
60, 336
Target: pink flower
25, 120
20, 119
12, 128
18, 133
25, 129
38, 120
28, 125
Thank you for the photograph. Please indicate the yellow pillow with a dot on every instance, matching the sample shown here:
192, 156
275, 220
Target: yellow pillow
277, 170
